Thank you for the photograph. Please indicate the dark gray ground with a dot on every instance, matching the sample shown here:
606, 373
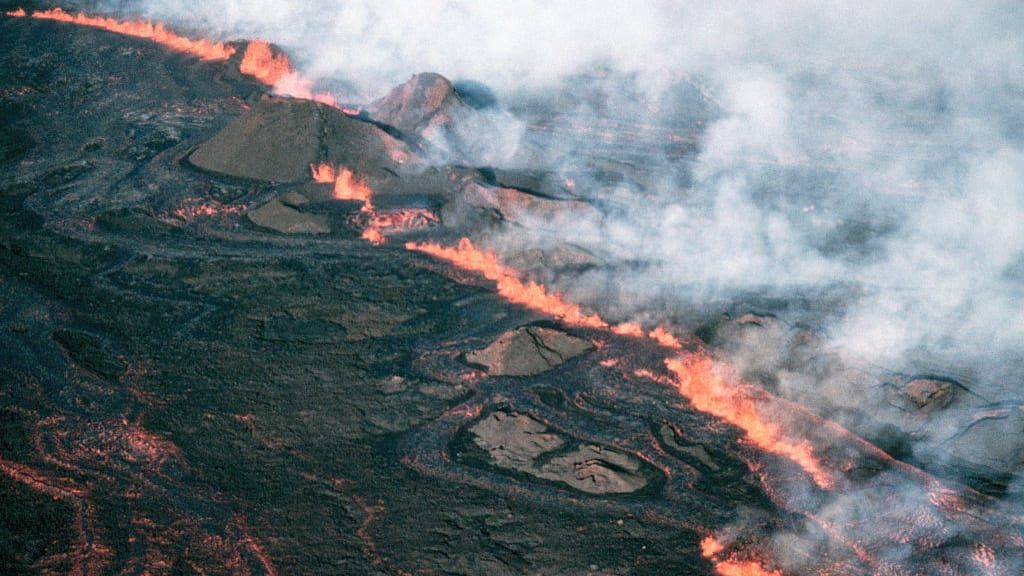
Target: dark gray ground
201, 382
184, 391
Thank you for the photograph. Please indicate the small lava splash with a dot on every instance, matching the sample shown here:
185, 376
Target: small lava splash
376, 224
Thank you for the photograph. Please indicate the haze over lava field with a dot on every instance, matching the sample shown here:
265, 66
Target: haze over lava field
372, 288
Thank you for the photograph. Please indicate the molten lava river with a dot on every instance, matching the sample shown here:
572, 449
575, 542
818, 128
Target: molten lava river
212, 374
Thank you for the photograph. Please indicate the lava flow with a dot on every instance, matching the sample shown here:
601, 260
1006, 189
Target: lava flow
204, 49
259, 61
375, 223
695, 375
276, 71
698, 379
728, 566
510, 286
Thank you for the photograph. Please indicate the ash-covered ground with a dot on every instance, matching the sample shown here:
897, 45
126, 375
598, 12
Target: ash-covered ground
219, 355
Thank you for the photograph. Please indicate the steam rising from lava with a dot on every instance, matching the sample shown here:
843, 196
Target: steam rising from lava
847, 146
696, 376
849, 150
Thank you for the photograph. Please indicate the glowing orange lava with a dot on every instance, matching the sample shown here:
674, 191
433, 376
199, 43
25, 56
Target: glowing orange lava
323, 173
697, 378
665, 338
629, 329
711, 547
348, 187
259, 60
276, 71
204, 49
529, 294
262, 64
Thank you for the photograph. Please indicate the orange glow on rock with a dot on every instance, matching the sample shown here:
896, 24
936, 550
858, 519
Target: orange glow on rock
629, 329
276, 71
529, 294
261, 63
322, 173
694, 375
664, 337
204, 49
373, 236
347, 187
710, 547
697, 378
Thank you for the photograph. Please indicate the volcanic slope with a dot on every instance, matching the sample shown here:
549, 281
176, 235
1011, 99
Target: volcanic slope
279, 139
202, 394
189, 393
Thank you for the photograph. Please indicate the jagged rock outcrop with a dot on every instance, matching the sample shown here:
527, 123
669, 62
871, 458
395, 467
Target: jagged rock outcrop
528, 350
282, 214
519, 442
928, 394
426, 101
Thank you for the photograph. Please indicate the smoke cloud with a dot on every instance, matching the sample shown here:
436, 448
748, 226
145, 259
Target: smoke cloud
858, 167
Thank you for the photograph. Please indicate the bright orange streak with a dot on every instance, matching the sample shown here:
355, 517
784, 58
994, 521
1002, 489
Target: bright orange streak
710, 547
259, 60
262, 64
347, 187
529, 294
698, 380
695, 376
629, 329
665, 338
323, 173
204, 49
276, 71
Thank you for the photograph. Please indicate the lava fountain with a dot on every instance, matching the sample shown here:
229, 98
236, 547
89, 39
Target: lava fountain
202, 48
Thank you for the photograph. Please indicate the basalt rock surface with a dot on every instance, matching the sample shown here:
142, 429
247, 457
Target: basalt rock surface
278, 139
209, 371
519, 442
527, 351
427, 101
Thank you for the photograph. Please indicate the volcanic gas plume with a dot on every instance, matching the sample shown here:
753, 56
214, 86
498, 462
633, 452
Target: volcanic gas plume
646, 414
